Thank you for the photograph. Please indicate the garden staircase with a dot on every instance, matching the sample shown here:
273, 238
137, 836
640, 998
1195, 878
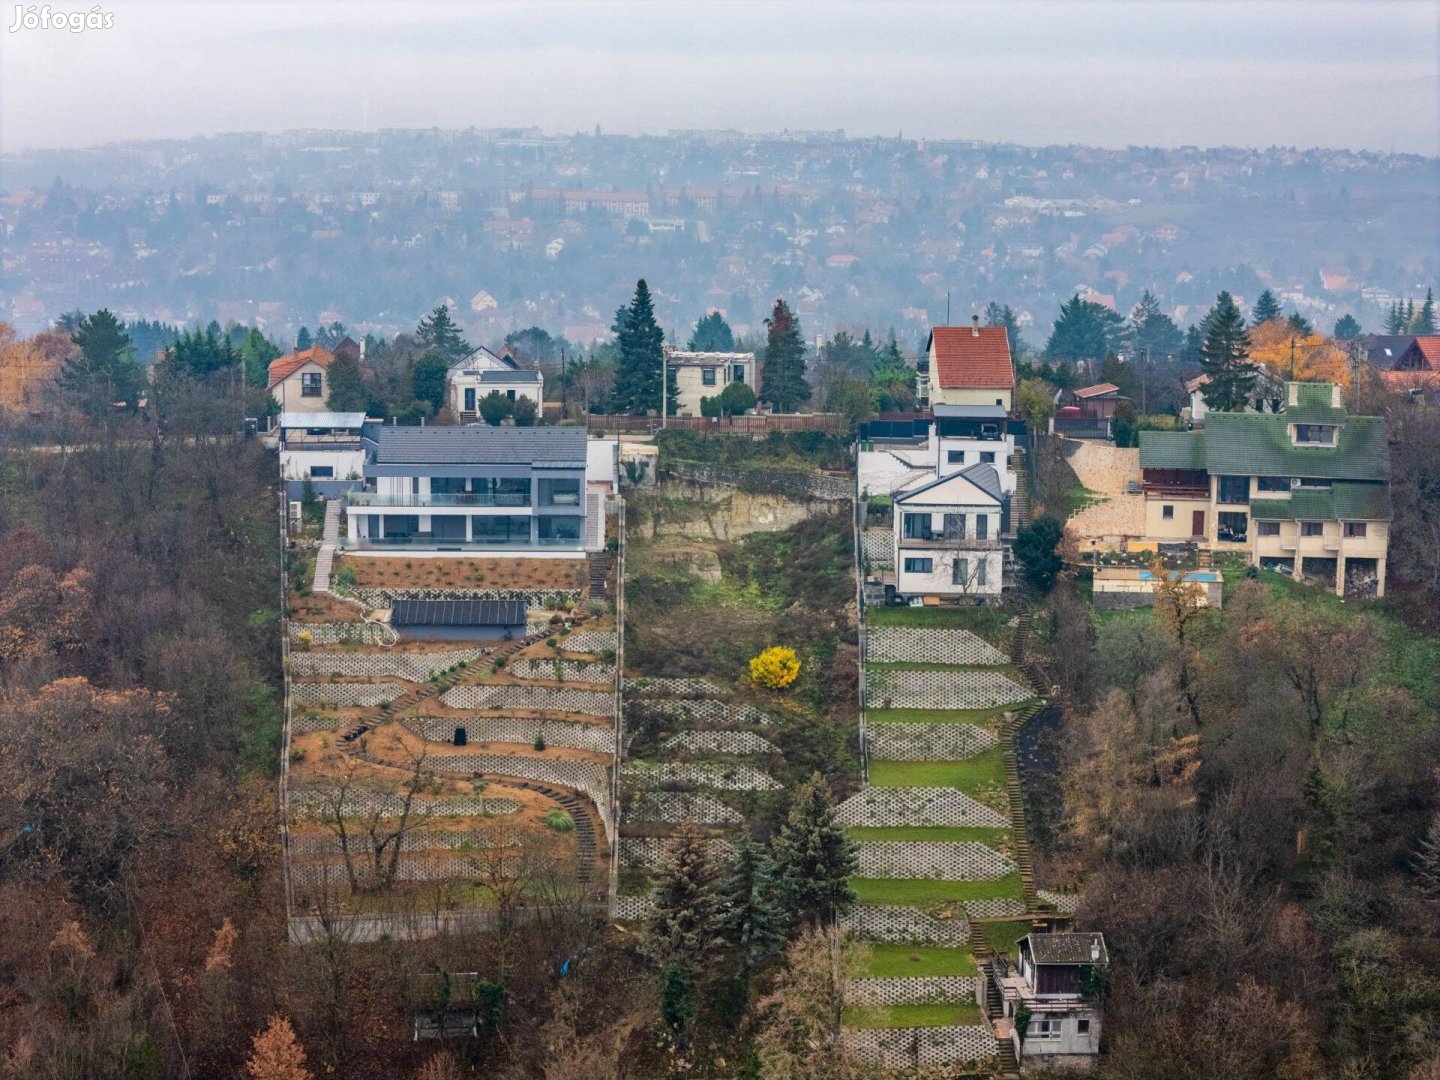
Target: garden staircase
1020, 499
325, 557
597, 582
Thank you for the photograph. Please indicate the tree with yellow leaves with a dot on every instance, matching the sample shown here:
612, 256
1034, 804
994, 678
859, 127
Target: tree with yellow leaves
277, 1054
1316, 357
1179, 604
775, 668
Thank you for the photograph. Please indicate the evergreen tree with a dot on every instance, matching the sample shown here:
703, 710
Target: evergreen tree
642, 352
1409, 317
752, 922
1152, 332
1266, 308
1395, 319
1193, 349
1300, 324
1424, 324
428, 378
682, 931
814, 857
256, 352
495, 407
1004, 315
331, 336
303, 340
106, 371
437, 333
348, 392
1346, 328
200, 353
1036, 547
782, 382
1081, 331
1225, 357
524, 412
1427, 860
712, 334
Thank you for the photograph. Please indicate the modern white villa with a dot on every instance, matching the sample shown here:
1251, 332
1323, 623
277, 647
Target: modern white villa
475, 489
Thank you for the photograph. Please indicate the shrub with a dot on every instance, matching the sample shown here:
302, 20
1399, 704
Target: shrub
539, 742
559, 820
598, 607
345, 580
775, 668
304, 639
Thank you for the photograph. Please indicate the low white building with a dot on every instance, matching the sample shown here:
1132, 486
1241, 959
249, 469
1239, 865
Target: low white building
948, 536
706, 374
898, 457
326, 448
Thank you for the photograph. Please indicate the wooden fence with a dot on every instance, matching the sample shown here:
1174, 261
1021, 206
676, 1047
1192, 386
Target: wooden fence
729, 425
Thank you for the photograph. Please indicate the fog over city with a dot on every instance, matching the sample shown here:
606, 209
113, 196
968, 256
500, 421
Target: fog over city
1106, 74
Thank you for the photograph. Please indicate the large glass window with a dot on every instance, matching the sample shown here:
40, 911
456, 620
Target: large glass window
500, 528
501, 490
1233, 527
1234, 490
447, 485
447, 527
1315, 434
1274, 483
954, 526
559, 492
401, 526
559, 528
919, 566
917, 527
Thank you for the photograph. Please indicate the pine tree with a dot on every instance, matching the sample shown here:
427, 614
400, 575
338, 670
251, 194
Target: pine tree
1080, 331
1424, 324
782, 381
437, 333
348, 392
1300, 324
428, 379
1346, 328
1193, 349
1225, 357
1395, 319
751, 919
814, 858
1266, 308
276, 1054
1408, 326
106, 371
712, 334
256, 352
1152, 332
303, 340
682, 931
200, 353
642, 353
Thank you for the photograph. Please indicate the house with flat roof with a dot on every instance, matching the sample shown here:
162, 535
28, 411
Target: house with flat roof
325, 448
1304, 491
700, 375
439, 490
966, 365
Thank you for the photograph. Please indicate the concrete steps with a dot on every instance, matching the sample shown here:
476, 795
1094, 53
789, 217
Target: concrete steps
325, 557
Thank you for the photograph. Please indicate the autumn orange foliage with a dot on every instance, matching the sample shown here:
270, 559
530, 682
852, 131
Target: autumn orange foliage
276, 1054
1317, 358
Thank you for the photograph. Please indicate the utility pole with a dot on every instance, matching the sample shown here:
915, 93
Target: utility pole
1292, 358
947, 307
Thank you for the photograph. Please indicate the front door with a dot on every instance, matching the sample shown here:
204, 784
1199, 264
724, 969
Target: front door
469, 399
1197, 523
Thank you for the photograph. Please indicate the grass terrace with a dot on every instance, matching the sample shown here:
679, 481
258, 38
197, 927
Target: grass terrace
914, 1016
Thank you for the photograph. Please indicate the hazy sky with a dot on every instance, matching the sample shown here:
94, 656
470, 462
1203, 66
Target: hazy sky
1364, 73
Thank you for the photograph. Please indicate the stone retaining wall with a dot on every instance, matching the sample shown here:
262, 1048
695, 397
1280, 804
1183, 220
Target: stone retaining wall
927, 742
719, 742
899, 1048
900, 807
314, 803
592, 781
506, 729
531, 698
655, 686
917, 990
692, 713
699, 774
673, 807
633, 908
931, 646
649, 852
935, 860
412, 667
413, 840
341, 695
942, 689
384, 598
889, 923
1006, 907
561, 670
587, 641
337, 633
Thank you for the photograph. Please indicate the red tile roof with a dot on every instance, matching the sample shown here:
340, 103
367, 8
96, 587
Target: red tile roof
969, 357
1098, 390
283, 367
1430, 349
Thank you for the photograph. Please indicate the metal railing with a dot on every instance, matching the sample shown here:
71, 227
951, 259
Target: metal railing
467, 498
410, 543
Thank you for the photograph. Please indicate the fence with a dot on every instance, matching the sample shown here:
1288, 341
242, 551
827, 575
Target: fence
761, 424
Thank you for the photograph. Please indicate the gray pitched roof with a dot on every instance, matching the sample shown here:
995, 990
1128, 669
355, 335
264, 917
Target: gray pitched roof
1068, 948
517, 376
481, 445
982, 475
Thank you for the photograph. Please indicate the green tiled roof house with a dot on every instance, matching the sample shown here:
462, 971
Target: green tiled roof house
1305, 491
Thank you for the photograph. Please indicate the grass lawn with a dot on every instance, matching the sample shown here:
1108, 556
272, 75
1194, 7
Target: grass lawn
922, 892
990, 623
979, 717
923, 832
1002, 936
981, 771
908, 1016
896, 961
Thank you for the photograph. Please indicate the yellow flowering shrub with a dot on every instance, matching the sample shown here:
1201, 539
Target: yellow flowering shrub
775, 668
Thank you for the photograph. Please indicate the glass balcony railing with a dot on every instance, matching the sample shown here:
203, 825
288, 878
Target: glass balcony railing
479, 498
416, 543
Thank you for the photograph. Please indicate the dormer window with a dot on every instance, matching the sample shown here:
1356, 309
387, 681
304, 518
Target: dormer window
1315, 434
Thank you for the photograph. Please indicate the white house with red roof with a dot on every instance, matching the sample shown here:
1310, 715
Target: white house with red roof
967, 365
298, 381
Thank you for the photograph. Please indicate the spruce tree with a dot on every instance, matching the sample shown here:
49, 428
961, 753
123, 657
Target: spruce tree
256, 352
751, 919
641, 344
1266, 308
1408, 326
439, 334
1346, 328
1395, 319
1424, 324
682, 931
782, 381
428, 379
1427, 860
814, 858
712, 334
1193, 349
348, 392
303, 340
1225, 357
1300, 324
105, 371
1081, 332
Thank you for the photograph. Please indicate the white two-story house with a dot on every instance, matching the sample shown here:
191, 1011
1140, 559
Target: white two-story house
1051, 999
325, 448
948, 536
472, 490
481, 373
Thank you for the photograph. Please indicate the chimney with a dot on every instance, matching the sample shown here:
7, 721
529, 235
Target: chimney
974, 325
1095, 950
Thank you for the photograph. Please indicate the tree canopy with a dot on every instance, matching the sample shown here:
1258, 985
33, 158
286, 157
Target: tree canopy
1225, 357
782, 382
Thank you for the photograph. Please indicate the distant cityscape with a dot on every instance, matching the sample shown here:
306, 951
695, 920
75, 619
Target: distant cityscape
517, 228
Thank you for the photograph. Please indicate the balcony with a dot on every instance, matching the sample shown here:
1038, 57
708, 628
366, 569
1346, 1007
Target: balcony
949, 543
417, 543
371, 498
